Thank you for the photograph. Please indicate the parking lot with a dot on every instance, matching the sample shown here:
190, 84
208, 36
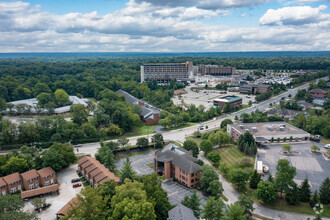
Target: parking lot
139, 163
308, 165
66, 193
206, 99
176, 192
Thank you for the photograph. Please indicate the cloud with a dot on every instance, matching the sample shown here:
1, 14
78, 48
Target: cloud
205, 4
293, 15
150, 27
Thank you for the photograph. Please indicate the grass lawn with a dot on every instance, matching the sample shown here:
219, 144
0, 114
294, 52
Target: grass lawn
197, 140
141, 130
325, 141
188, 124
231, 155
303, 208
121, 156
151, 165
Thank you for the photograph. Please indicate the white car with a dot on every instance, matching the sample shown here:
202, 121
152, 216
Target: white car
327, 146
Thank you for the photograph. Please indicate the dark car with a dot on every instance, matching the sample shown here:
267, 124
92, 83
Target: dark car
76, 185
75, 180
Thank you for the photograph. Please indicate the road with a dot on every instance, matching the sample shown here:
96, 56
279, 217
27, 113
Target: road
180, 135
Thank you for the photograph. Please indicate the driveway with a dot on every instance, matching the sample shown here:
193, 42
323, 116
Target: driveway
176, 192
308, 165
139, 163
58, 201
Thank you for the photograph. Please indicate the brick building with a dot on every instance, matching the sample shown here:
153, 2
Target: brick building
255, 88
318, 93
29, 180
149, 113
175, 162
95, 172
216, 70
267, 132
234, 101
165, 72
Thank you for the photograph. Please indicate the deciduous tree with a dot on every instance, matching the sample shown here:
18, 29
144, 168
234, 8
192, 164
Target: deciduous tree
266, 192
235, 212
284, 175
191, 145
213, 209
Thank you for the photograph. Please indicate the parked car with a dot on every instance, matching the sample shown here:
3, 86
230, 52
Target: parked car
75, 180
327, 146
78, 145
76, 185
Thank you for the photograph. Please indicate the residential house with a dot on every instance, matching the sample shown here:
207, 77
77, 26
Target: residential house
66, 208
318, 93
95, 172
3, 187
31, 179
40, 191
283, 112
14, 182
47, 176
175, 162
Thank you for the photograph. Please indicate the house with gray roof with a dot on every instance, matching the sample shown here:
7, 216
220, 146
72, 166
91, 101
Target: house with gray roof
149, 113
175, 162
181, 212
283, 112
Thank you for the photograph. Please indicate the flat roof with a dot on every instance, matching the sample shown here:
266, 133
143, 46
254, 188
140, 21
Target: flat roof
228, 98
268, 129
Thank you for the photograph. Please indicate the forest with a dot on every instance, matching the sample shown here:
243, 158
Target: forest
99, 79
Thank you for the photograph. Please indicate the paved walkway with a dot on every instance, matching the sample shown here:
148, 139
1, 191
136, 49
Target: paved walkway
232, 196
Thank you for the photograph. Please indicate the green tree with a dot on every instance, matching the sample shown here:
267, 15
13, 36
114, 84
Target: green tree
254, 180
213, 209
284, 175
192, 202
226, 108
215, 188
314, 200
61, 97
142, 142
38, 203
3, 104
206, 146
239, 177
191, 145
214, 157
286, 148
41, 88
219, 138
266, 192
122, 141
156, 194
225, 122
127, 171
130, 202
292, 195
315, 148
270, 178
247, 203
79, 114
157, 138
11, 207
325, 191
305, 191
50, 107
15, 164
44, 98
90, 205
105, 156
208, 175
235, 212
51, 158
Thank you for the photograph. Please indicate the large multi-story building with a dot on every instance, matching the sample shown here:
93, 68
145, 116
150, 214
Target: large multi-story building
165, 72
216, 70
233, 101
175, 162
268, 132
255, 88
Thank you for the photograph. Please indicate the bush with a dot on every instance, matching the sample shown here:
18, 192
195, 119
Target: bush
245, 162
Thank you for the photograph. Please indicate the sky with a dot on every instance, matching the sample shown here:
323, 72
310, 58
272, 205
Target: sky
164, 25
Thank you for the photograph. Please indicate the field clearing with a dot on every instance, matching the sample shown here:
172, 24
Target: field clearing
231, 155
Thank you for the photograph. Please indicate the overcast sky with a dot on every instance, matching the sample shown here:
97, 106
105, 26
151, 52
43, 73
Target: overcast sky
164, 25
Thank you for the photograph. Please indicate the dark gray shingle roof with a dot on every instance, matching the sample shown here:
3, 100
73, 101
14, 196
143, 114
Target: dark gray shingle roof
283, 112
181, 212
179, 157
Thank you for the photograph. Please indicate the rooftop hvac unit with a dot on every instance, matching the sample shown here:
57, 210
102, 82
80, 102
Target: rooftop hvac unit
282, 128
247, 130
270, 128
255, 129
241, 126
